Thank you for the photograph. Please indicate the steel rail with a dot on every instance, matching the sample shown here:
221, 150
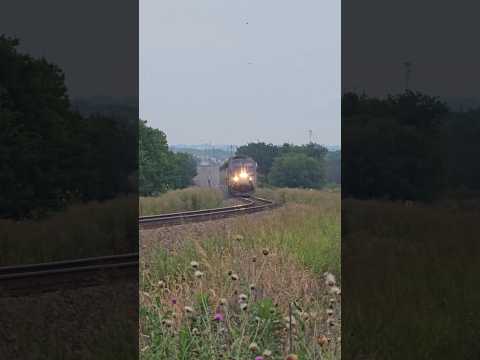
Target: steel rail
252, 204
53, 275
69, 266
45, 277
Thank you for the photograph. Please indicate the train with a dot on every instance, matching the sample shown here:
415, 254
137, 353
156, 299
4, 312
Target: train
238, 176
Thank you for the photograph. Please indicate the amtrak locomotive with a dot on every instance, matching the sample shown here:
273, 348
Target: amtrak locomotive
238, 175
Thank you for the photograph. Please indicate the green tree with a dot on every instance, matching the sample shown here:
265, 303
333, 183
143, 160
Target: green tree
154, 160
394, 146
51, 155
297, 170
184, 170
262, 153
333, 167
161, 169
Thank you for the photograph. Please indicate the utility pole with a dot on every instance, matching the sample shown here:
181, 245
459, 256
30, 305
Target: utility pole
408, 72
310, 136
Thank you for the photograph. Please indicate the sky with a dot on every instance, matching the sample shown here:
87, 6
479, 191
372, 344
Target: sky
434, 36
231, 72
94, 42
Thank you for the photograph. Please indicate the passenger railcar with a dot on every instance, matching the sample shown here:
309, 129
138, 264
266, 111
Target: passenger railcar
238, 176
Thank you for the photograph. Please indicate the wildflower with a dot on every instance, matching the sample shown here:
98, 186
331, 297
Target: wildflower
329, 279
252, 287
335, 290
329, 312
267, 353
259, 358
161, 284
167, 322
223, 301
174, 301
234, 277
322, 340
253, 347
292, 357
239, 237
194, 264
198, 274
243, 306
242, 297
218, 317
188, 309
265, 252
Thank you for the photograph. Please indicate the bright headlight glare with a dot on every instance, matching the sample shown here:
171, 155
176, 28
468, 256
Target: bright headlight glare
235, 178
243, 175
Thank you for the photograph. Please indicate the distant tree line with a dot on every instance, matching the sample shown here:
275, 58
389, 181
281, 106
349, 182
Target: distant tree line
50, 154
303, 166
409, 146
159, 168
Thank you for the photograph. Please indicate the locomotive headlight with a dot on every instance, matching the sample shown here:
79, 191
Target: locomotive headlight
235, 178
243, 175
250, 178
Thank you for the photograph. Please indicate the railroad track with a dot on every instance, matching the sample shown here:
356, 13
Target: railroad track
49, 276
250, 205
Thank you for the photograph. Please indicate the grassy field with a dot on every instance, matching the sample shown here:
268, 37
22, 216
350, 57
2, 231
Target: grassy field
247, 288
82, 230
193, 198
409, 280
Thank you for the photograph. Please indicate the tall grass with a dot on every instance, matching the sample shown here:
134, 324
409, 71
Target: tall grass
82, 230
282, 254
194, 198
427, 254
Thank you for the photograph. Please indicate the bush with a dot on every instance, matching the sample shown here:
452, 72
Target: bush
297, 170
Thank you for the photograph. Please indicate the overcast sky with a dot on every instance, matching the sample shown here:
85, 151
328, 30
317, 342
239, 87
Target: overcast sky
230, 72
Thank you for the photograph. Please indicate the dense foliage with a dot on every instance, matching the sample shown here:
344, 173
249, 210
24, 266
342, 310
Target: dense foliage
161, 169
333, 167
409, 146
289, 165
51, 155
296, 170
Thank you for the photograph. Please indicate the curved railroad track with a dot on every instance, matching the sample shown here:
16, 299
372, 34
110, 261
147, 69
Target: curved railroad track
51, 276
250, 205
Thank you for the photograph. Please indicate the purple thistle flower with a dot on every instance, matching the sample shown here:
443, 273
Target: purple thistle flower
218, 317
174, 301
259, 358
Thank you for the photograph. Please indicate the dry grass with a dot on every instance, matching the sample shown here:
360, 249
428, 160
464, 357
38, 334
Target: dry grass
410, 275
283, 254
193, 198
82, 230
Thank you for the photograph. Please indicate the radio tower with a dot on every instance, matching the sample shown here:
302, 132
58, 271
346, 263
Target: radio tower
310, 136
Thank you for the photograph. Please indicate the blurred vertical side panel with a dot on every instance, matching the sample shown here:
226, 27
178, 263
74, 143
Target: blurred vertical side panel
411, 180
68, 179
